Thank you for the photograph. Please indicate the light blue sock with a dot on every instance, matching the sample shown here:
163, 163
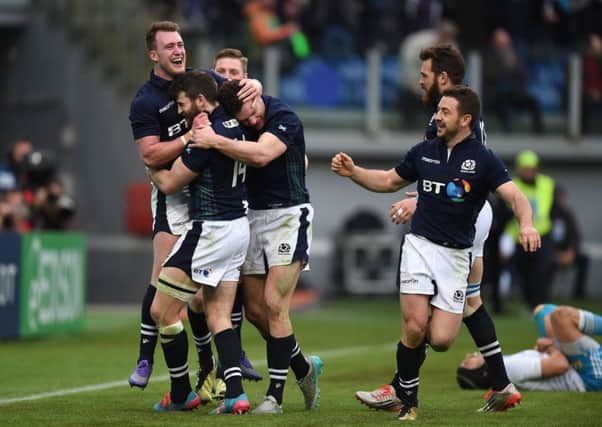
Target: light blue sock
547, 309
590, 323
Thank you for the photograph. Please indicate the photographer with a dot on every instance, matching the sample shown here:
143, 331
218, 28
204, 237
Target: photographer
31, 195
50, 207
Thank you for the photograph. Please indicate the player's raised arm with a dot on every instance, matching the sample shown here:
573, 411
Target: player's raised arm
528, 236
155, 153
256, 154
172, 180
380, 181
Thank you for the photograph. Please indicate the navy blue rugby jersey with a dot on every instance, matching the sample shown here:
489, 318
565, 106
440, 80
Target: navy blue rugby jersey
218, 192
153, 112
281, 183
431, 127
451, 191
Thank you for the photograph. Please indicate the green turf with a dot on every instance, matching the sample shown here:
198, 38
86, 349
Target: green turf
357, 339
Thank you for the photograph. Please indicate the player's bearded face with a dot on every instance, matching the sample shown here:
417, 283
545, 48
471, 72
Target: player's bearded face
187, 107
431, 94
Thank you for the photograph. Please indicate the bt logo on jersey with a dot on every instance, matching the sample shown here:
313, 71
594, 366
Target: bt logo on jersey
432, 186
455, 189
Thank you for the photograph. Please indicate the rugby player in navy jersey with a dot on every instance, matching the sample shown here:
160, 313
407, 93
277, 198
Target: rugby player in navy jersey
442, 68
280, 217
208, 254
454, 174
161, 135
232, 64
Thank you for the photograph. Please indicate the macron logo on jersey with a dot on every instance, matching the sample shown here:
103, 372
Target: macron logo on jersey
282, 128
229, 124
429, 160
166, 106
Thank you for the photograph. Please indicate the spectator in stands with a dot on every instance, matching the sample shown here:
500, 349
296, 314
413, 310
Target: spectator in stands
264, 24
571, 21
567, 241
505, 83
268, 28
592, 82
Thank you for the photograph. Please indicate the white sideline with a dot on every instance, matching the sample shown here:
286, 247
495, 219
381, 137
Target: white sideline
341, 352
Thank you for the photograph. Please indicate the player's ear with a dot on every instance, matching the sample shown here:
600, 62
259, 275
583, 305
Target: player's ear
466, 118
443, 78
152, 54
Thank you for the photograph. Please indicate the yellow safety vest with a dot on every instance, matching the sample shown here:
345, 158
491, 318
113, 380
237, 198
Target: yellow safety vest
541, 198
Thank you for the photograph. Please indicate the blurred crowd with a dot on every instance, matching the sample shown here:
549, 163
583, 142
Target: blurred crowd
509, 34
32, 196
365, 23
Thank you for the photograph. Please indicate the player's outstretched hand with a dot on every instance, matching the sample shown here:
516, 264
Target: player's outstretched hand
529, 239
342, 164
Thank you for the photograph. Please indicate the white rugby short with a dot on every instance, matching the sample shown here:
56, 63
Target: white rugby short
430, 269
211, 251
482, 227
170, 212
278, 237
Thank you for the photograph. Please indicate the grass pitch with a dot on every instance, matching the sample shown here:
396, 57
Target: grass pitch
82, 380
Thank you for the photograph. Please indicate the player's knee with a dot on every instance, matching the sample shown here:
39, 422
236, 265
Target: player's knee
440, 343
156, 312
255, 313
415, 331
561, 314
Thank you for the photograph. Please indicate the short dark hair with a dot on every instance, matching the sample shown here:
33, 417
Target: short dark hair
234, 54
228, 97
468, 101
445, 57
155, 27
473, 379
194, 83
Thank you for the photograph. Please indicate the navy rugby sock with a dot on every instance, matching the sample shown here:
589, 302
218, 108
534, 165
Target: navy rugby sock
228, 349
481, 328
279, 357
202, 338
408, 367
175, 350
299, 364
148, 327
237, 314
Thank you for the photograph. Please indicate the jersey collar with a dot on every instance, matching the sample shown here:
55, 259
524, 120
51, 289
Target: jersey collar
158, 81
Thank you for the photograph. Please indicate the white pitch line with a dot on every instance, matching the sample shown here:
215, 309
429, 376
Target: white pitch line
341, 352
